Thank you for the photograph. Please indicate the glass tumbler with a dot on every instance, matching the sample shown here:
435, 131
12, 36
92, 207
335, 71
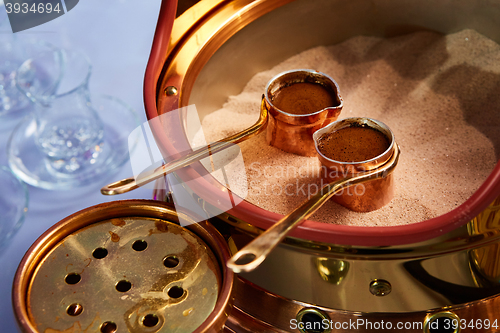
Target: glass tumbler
68, 129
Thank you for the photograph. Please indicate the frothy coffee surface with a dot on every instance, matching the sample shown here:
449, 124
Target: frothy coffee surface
353, 144
304, 98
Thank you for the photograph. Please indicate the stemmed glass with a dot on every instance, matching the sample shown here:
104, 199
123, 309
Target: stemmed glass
66, 143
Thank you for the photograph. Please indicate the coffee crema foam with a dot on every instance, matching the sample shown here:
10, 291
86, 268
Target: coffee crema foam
353, 144
304, 98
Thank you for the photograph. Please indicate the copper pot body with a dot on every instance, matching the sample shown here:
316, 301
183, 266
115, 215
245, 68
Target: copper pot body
293, 132
363, 197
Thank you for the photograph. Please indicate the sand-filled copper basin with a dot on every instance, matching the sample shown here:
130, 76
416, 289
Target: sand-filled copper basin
217, 46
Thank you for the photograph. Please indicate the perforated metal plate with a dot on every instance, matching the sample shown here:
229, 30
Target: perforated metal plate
125, 275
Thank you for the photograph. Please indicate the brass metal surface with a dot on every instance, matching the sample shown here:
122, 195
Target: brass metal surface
485, 260
255, 311
421, 276
153, 269
125, 266
293, 133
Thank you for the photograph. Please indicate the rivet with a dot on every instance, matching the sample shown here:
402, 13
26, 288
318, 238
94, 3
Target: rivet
380, 287
312, 317
449, 322
170, 91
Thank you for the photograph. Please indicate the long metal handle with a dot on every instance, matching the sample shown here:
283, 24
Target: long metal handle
129, 184
255, 252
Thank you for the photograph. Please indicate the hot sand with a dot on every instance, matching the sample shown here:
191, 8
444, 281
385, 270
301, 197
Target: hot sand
440, 95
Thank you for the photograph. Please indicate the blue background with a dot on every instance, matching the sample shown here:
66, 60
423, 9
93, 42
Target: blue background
117, 37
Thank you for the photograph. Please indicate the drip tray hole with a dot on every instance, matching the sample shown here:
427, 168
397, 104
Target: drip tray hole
100, 253
170, 262
140, 245
123, 286
150, 320
108, 327
72, 278
74, 309
175, 292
